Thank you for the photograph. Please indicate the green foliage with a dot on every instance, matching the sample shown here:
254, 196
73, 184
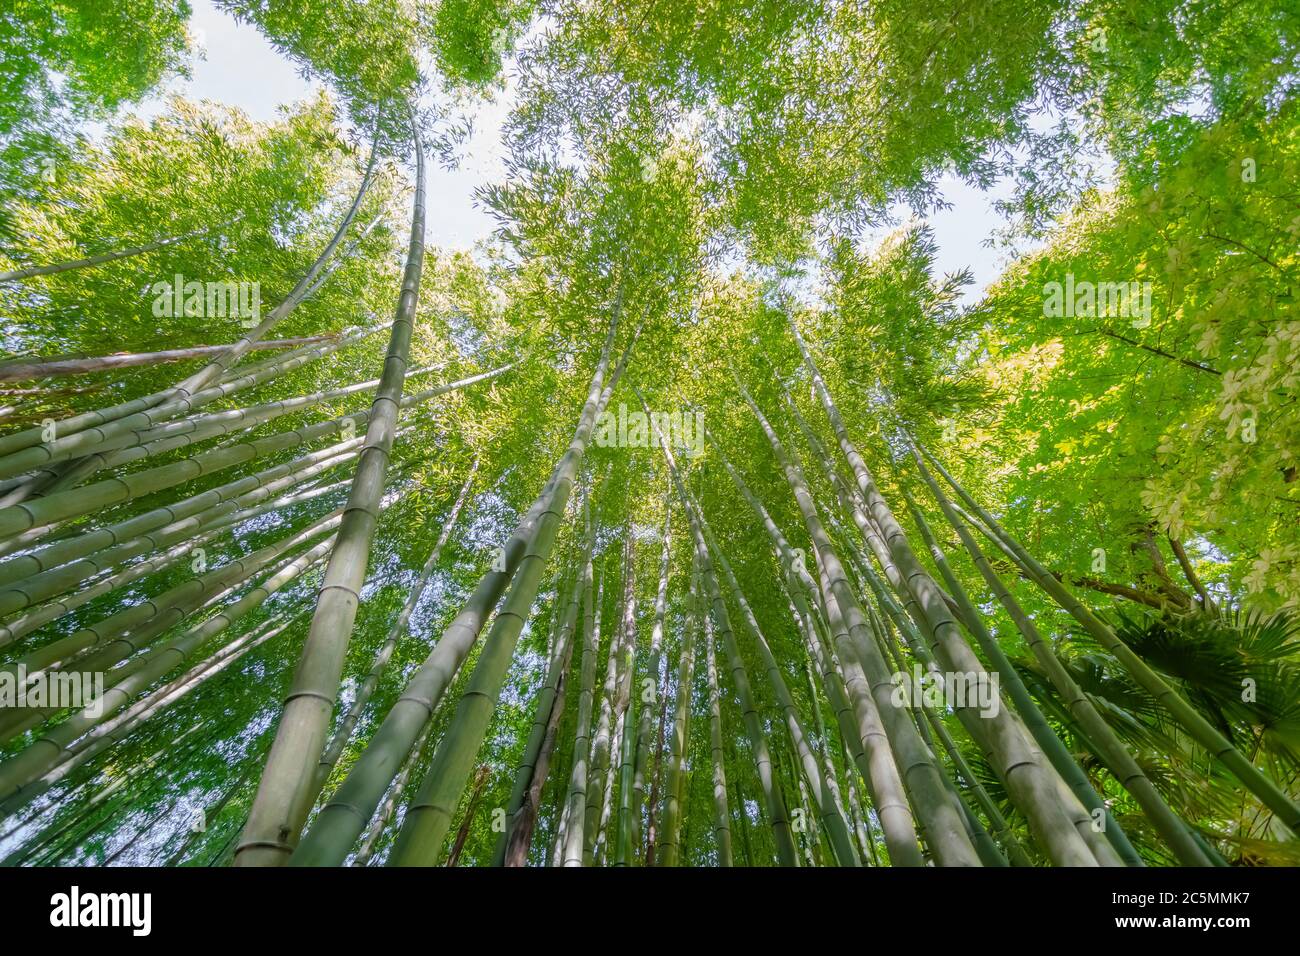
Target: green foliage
66, 60
471, 36
705, 176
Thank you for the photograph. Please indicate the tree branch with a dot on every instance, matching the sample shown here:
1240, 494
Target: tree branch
1157, 351
1189, 573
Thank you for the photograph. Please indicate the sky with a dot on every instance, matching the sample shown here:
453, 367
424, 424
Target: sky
239, 68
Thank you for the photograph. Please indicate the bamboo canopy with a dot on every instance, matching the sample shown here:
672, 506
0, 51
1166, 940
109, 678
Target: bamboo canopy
698, 515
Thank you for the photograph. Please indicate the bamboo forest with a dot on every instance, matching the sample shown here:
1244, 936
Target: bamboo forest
848, 433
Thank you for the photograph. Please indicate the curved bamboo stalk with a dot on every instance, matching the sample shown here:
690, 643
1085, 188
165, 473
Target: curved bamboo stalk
22, 370
126, 430
147, 620
71, 264
101, 494
76, 547
216, 368
178, 400
171, 436
196, 529
17, 441
245, 378
122, 725
355, 333
48, 749
17, 628
285, 793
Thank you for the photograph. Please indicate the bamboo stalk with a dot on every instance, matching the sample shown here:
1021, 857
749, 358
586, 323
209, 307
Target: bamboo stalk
28, 272
721, 814
836, 827
101, 494
772, 794
18, 627
22, 370
196, 529
521, 808
1268, 792
77, 546
286, 793
49, 748
575, 801
419, 843
944, 828
90, 651
385, 815
610, 731
216, 368
339, 740
645, 724
128, 429
859, 721
668, 848
1029, 783
346, 814
1112, 750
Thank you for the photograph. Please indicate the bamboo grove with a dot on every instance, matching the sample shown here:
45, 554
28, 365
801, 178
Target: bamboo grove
693, 519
